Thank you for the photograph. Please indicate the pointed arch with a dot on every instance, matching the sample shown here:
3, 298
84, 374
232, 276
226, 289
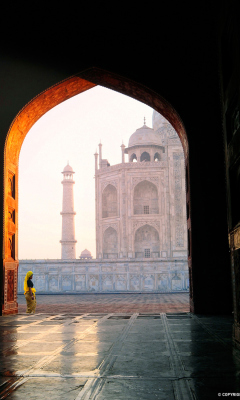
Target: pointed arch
110, 243
18, 130
145, 198
146, 242
109, 202
145, 156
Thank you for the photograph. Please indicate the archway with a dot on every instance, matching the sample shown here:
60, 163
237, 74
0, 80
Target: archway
26, 118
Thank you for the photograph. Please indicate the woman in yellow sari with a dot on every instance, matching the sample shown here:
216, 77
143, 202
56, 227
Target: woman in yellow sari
29, 293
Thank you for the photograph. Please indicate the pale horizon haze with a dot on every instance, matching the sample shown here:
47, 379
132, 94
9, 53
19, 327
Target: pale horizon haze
71, 132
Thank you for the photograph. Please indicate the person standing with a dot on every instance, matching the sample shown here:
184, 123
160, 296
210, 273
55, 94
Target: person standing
30, 293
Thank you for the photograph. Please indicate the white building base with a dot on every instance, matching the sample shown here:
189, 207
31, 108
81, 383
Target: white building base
97, 276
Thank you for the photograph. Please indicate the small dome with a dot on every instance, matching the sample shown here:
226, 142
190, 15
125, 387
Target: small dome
85, 254
68, 168
144, 136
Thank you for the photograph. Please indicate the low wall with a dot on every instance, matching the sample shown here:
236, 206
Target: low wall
80, 276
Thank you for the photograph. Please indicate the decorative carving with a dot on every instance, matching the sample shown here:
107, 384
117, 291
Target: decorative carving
53, 283
121, 283
162, 282
178, 156
113, 225
11, 245
171, 133
138, 224
134, 282
93, 282
11, 215
107, 277
104, 184
10, 285
153, 179
66, 279
172, 141
149, 282
121, 277
179, 232
11, 184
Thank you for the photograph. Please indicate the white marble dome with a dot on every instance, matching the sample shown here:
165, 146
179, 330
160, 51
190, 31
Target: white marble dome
68, 168
86, 254
144, 136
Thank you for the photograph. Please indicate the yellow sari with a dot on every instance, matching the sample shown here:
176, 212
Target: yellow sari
26, 288
31, 303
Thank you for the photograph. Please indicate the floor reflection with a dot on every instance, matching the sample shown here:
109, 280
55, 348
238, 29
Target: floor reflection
117, 356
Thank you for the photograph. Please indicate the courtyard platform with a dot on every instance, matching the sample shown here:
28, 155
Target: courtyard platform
110, 302
121, 355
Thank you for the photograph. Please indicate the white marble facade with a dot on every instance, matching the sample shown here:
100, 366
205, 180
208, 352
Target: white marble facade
141, 203
141, 228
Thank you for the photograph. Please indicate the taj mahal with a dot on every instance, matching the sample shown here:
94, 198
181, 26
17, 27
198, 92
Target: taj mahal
141, 228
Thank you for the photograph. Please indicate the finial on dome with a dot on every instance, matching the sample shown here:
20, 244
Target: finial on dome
144, 121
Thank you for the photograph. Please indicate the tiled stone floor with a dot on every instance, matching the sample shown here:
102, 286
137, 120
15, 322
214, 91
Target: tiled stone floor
127, 355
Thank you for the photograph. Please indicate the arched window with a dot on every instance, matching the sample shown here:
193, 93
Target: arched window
110, 243
157, 157
145, 156
145, 198
146, 242
109, 202
133, 158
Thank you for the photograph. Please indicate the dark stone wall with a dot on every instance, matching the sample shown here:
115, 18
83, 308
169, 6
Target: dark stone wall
229, 65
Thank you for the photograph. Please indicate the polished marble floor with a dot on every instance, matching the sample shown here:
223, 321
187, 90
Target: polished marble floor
172, 356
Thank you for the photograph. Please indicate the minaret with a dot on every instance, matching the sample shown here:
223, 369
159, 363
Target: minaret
68, 228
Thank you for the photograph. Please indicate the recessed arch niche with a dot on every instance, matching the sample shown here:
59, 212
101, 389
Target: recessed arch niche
110, 243
19, 128
109, 202
146, 242
145, 198
145, 156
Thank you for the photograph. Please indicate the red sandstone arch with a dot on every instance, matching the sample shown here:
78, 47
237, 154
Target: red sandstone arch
19, 128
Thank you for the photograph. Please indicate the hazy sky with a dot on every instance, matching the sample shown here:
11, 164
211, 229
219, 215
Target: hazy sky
70, 132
